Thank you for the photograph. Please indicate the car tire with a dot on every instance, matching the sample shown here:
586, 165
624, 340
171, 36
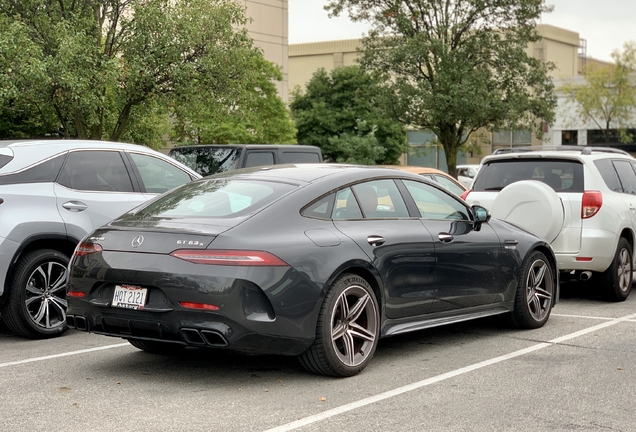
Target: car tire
535, 293
347, 331
36, 307
616, 281
156, 347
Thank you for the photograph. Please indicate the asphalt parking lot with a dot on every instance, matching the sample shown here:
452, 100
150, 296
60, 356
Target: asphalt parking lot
576, 373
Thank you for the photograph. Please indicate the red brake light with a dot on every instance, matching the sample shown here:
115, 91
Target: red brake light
76, 294
591, 203
229, 257
465, 194
84, 248
201, 306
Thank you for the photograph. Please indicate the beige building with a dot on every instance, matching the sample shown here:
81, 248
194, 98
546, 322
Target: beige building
559, 46
269, 30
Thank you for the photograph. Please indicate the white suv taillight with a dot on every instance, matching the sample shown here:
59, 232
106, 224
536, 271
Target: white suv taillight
591, 204
465, 194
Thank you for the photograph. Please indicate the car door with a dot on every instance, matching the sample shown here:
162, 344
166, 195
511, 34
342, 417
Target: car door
93, 188
467, 260
156, 175
374, 215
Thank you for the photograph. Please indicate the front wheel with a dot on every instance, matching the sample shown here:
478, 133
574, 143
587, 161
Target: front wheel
535, 292
347, 331
616, 281
36, 307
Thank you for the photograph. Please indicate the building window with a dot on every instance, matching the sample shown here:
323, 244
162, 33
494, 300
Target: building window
597, 136
569, 137
508, 137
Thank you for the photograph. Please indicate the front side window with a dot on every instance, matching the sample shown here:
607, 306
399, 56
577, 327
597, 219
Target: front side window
158, 176
449, 184
433, 203
95, 171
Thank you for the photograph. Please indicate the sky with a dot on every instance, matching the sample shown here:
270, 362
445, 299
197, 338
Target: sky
605, 24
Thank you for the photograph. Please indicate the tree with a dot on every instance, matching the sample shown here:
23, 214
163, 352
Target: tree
342, 113
119, 69
607, 98
456, 66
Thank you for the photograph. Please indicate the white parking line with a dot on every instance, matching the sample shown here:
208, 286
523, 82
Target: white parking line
582, 316
419, 384
70, 353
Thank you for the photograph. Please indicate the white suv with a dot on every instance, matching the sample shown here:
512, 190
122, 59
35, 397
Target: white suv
580, 199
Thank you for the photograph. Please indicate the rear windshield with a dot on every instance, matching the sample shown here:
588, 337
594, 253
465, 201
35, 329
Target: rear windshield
215, 199
562, 175
207, 160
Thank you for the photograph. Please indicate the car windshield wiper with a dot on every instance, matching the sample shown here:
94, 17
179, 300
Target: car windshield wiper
498, 188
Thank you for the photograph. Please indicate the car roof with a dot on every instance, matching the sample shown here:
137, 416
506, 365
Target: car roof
310, 172
580, 153
28, 152
248, 146
415, 169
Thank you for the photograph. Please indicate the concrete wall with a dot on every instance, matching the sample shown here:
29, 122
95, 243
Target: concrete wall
269, 29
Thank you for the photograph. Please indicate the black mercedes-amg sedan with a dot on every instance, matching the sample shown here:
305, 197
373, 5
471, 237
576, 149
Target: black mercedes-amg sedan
316, 261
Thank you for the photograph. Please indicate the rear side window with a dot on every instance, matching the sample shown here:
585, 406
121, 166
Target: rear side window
320, 209
5, 159
562, 175
607, 171
95, 171
216, 199
259, 158
43, 172
299, 157
626, 176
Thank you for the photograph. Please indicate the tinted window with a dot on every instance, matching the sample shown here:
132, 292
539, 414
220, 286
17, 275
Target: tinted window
43, 172
207, 160
626, 176
449, 184
320, 209
101, 171
158, 176
607, 171
299, 157
4, 159
378, 199
434, 203
259, 159
215, 198
562, 175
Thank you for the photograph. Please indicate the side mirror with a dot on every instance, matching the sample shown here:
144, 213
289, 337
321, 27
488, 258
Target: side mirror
481, 214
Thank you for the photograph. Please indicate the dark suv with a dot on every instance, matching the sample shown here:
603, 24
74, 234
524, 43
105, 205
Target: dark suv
211, 158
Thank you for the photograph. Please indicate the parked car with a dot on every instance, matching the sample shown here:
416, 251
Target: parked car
581, 200
438, 176
466, 174
305, 261
212, 159
53, 193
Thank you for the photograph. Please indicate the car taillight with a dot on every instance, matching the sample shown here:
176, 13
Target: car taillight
85, 248
200, 306
591, 203
229, 257
465, 195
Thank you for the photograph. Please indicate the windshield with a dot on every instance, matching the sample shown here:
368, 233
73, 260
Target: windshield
207, 160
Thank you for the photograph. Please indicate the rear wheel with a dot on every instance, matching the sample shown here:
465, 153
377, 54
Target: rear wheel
36, 307
156, 347
347, 331
616, 281
535, 292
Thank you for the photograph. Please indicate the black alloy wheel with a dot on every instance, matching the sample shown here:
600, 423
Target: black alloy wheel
616, 281
37, 305
535, 293
347, 331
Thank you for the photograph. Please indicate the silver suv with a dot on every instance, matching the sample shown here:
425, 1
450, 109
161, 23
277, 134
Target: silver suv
53, 193
580, 199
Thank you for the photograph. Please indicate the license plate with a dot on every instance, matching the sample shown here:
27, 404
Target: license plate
129, 297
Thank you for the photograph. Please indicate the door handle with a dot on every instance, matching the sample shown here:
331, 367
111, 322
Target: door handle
445, 237
376, 240
75, 206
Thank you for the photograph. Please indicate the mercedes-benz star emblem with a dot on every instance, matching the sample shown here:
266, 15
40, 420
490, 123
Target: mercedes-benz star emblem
137, 241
